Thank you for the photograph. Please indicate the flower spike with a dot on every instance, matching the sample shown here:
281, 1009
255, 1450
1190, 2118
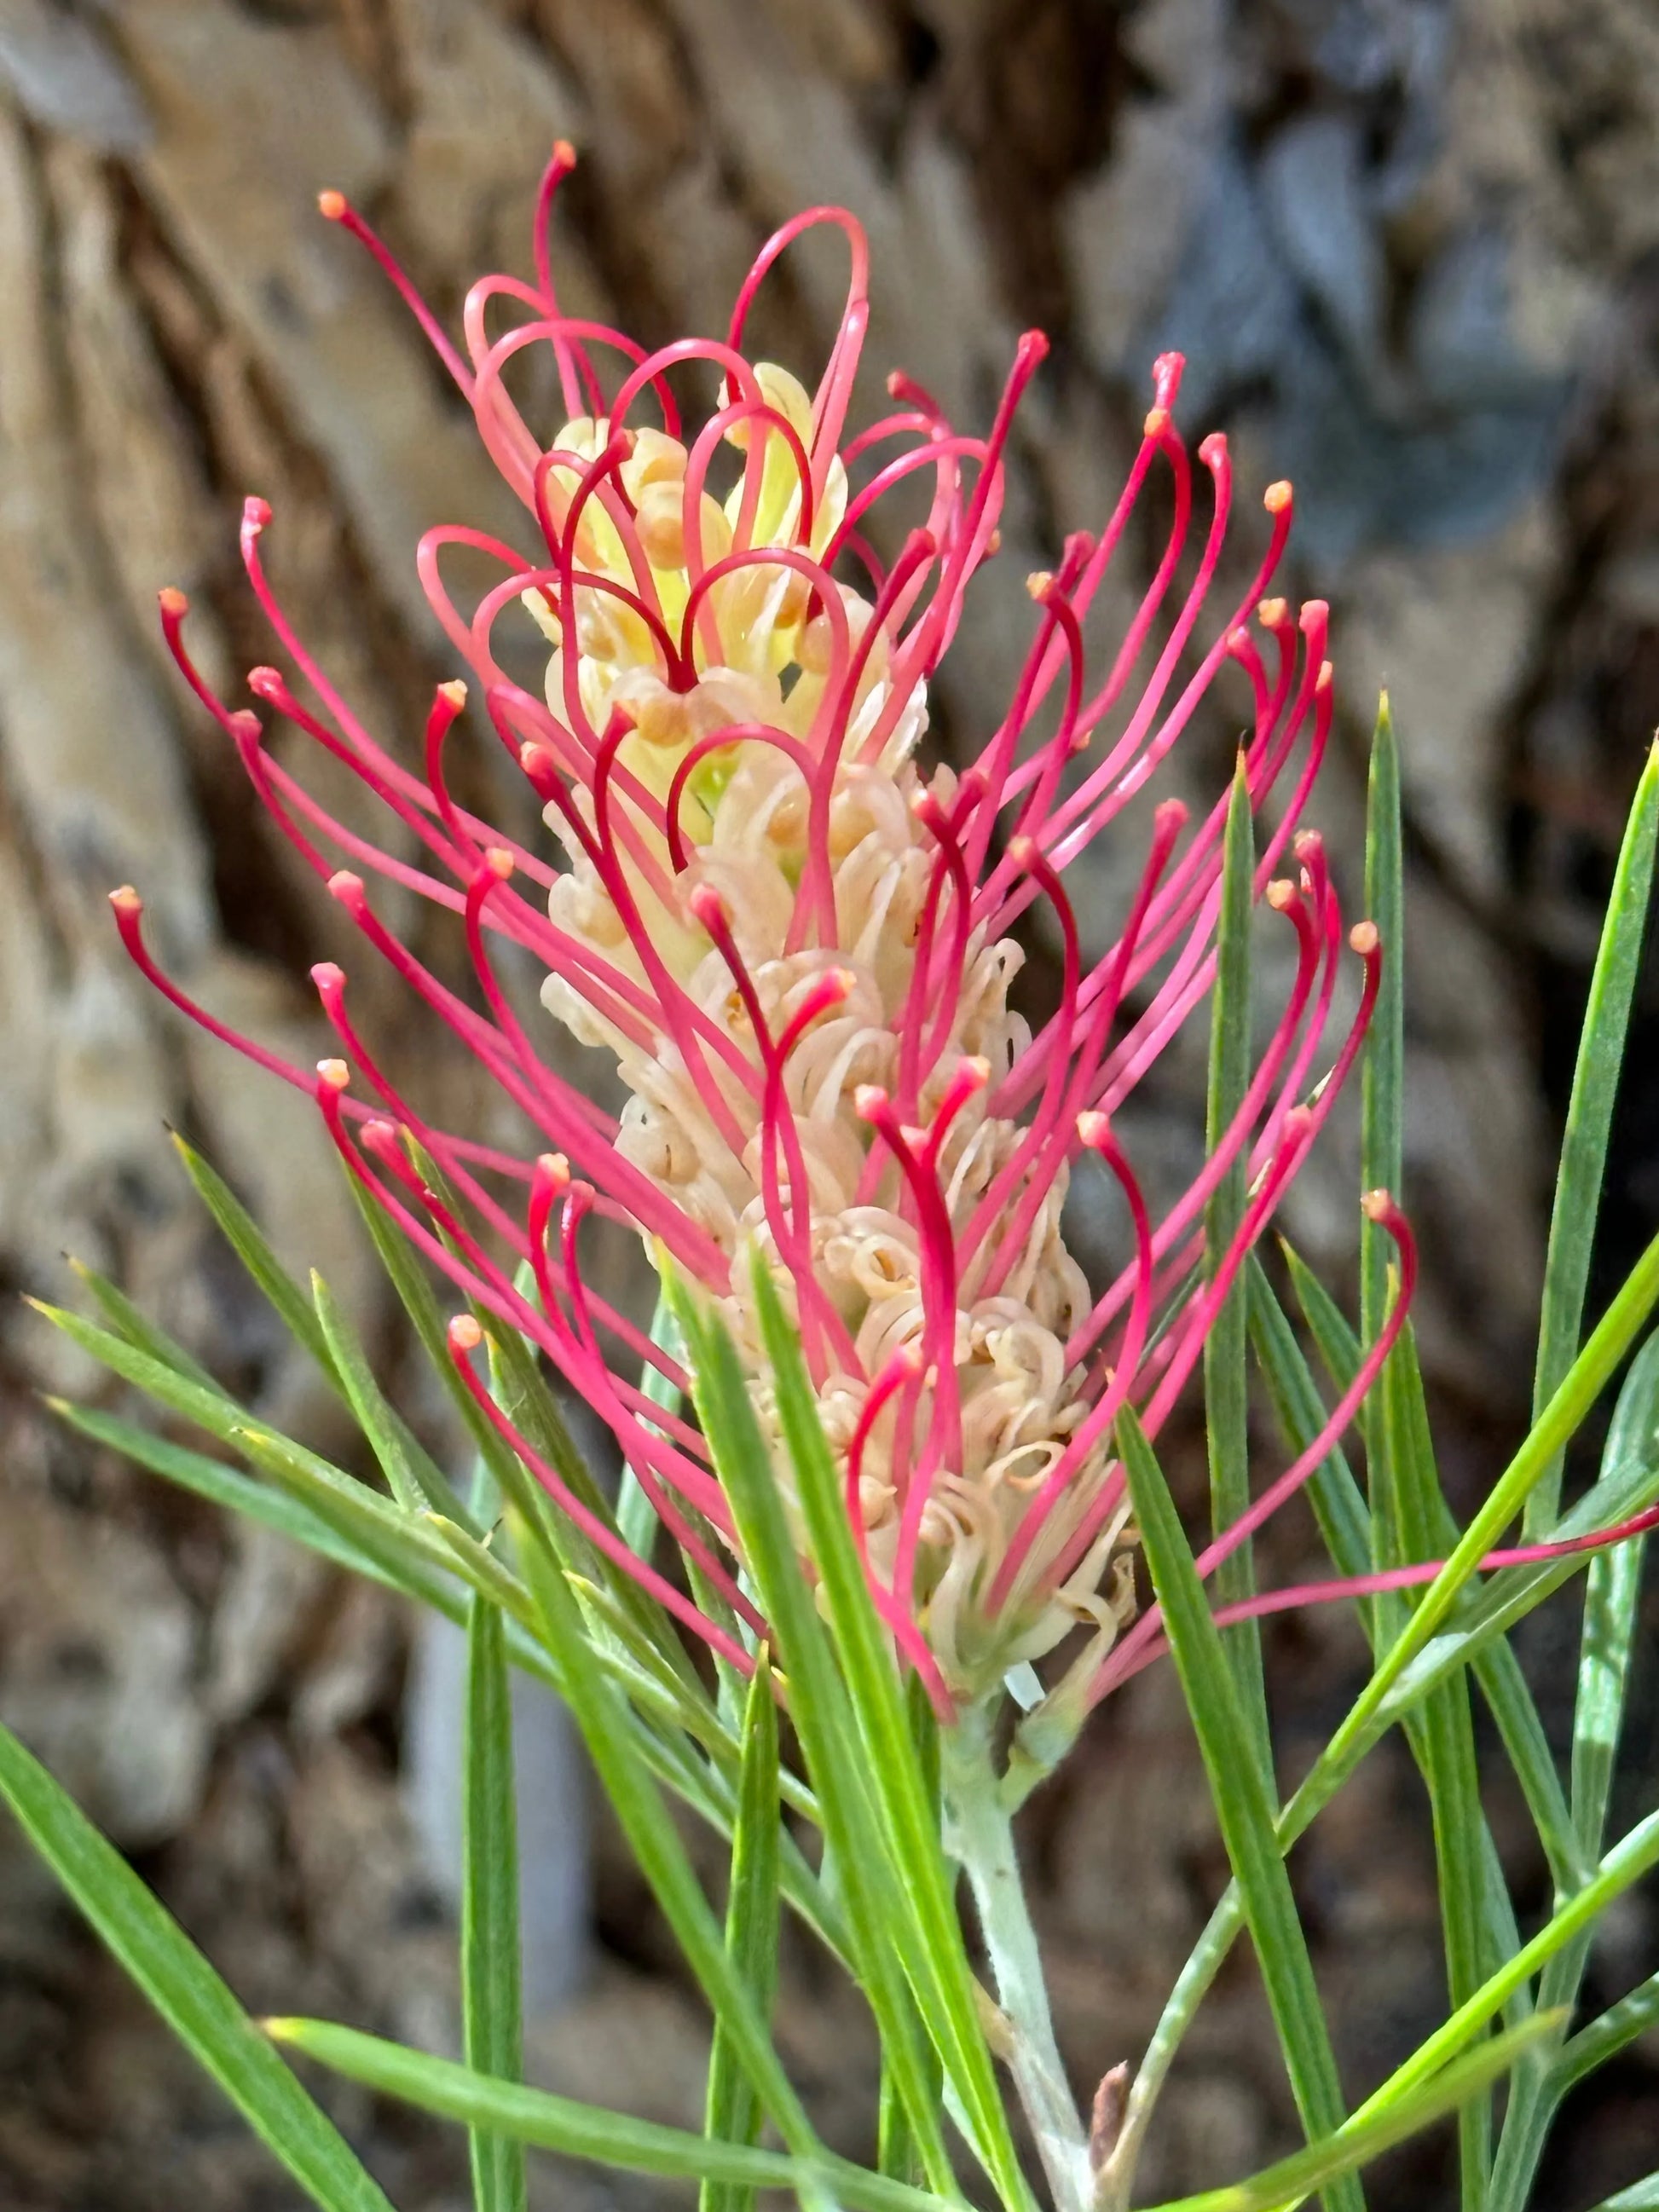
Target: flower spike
788, 934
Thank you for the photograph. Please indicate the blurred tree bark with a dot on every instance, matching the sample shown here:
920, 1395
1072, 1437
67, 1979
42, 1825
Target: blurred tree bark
1409, 248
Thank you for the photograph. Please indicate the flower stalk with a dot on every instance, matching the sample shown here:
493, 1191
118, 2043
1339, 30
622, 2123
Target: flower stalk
979, 1834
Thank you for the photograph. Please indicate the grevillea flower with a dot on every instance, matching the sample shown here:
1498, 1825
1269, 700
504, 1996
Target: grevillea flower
791, 937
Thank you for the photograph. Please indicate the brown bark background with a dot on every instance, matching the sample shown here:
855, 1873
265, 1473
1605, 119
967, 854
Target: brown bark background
1414, 251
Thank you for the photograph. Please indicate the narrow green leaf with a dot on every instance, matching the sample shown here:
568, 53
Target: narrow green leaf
1226, 1388
1623, 1866
878, 1916
1589, 1119
1612, 1587
1588, 1375
524, 1396
1606, 2035
128, 1321
252, 1247
149, 1945
732, 2112
1641, 2196
1405, 1493
1629, 1485
1282, 2186
413, 1476
586, 2131
1382, 1069
936, 1958
227, 1486
603, 1720
1445, 1727
491, 2012
897, 2153
379, 1552
1497, 1669
1240, 1794
415, 1294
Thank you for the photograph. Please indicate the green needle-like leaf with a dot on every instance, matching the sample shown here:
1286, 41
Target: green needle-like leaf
1589, 1119
1242, 1805
412, 1475
228, 1487
127, 1320
1641, 2196
1444, 1728
602, 1716
1280, 2188
1407, 1499
490, 2002
1613, 1589
149, 1943
1382, 1071
1226, 1390
1584, 1382
1623, 1866
1606, 2035
879, 1922
586, 2131
252, 1247
733, 2113
935, 1956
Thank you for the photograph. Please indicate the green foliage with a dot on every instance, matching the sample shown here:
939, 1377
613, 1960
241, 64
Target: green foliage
848, 1802
195, 2004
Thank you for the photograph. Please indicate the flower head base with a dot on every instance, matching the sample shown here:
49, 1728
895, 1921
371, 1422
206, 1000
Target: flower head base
793, 938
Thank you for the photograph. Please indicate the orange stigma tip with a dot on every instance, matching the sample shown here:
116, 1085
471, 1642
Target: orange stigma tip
172, 600
331, 205
1281, 893
1271, 613
1276, 497
1093, 1127
564, 153
500, 862
454, 691
993, 543
465, 1333
1022, 851
1157, 423
977, 1069
555, 1167
1364, 938
1326, 676
1376, 1204
334, 1073
1039, 581
125, 900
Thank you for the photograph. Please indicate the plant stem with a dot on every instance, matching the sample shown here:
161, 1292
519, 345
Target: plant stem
979, 1833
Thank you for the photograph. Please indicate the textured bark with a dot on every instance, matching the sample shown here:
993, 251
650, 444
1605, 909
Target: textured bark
1413, 254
